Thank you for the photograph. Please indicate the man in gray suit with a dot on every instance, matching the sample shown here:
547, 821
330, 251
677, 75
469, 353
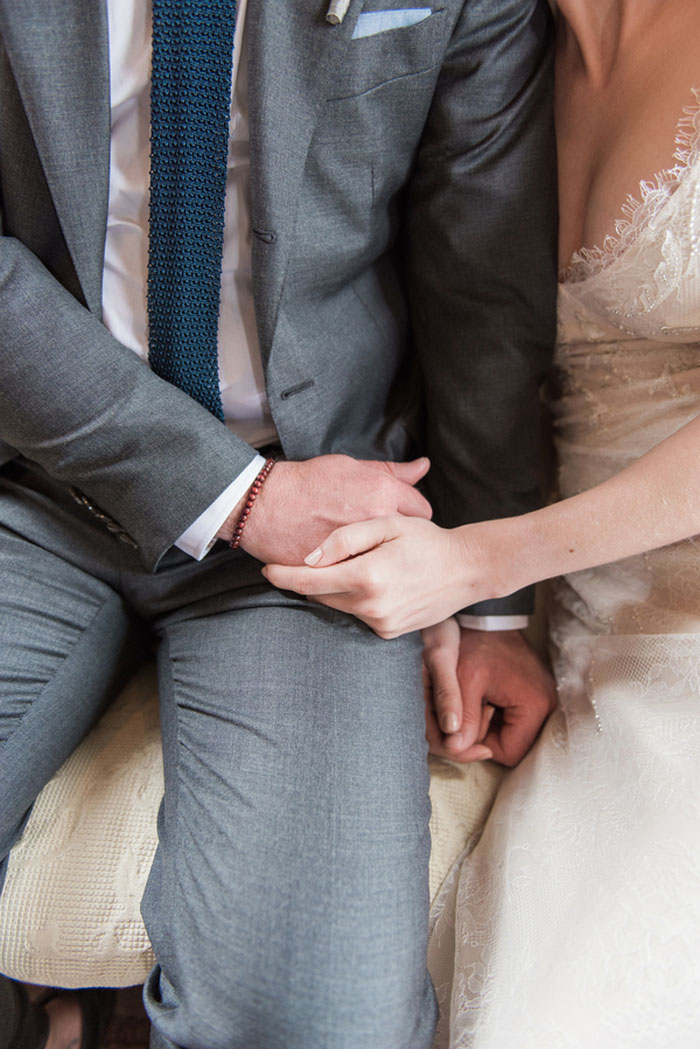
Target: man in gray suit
390, 201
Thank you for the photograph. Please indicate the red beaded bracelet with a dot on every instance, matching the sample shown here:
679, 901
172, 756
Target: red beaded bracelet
257, 484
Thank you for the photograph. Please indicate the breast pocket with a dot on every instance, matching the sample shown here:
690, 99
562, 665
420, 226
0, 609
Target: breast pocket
391, 40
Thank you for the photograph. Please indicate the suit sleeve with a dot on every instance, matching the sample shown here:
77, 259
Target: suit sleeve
481, 266
94, 415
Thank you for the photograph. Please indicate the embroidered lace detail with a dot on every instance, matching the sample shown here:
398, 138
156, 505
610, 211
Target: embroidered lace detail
640, 213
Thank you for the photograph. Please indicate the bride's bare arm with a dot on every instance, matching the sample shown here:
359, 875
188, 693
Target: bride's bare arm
399, 574
653, 502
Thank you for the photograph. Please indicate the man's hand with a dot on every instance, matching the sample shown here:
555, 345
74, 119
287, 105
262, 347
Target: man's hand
487, 693
302, 502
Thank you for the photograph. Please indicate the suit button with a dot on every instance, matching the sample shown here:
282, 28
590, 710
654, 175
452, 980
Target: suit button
299, 388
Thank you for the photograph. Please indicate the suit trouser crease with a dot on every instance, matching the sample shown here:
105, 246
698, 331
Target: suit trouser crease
287, 903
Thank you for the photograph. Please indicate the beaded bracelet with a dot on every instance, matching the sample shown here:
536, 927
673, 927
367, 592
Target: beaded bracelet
257, 484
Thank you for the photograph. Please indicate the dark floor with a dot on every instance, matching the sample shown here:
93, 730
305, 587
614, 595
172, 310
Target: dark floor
129, 1026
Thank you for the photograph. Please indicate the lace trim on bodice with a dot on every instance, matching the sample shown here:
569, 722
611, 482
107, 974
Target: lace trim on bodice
639, 213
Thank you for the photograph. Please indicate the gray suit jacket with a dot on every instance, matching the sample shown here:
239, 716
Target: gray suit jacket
403, 260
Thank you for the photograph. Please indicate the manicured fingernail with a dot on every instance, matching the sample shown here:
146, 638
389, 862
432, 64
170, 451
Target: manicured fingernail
314, 557
450, 723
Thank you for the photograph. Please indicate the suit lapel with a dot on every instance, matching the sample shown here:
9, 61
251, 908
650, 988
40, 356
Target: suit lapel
293, 57
60, 58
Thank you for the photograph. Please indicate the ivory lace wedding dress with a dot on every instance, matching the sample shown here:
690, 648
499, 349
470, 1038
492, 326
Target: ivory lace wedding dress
575, 921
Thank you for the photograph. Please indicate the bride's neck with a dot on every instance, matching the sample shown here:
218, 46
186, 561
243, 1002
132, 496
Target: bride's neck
592, 32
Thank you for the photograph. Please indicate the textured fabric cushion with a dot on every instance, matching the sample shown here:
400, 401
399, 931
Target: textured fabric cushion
69, 911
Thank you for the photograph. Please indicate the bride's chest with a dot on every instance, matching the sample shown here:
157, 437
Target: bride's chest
643, 280
617, 113
605, 152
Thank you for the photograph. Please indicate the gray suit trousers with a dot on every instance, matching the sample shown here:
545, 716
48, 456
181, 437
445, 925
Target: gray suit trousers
287, 904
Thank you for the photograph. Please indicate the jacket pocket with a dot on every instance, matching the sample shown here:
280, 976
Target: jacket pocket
390, 42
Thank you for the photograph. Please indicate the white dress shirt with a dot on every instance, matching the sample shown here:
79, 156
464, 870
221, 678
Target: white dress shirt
246, 410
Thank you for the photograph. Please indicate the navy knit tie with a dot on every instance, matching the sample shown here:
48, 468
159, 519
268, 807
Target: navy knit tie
190, 105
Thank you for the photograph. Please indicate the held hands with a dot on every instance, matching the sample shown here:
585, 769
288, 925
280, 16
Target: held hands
301, 502
487, 694
409, 575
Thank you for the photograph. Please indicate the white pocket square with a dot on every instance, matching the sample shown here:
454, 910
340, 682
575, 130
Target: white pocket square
372, 22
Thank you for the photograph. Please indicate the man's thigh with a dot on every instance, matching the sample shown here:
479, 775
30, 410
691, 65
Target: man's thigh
288, 904
67, 643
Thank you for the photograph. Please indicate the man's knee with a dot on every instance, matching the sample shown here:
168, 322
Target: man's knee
294, 845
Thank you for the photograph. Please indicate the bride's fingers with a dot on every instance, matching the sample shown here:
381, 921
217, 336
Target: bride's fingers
351, 540
310, 582
472, 683
444, 685
477, 752
340, 597
459, 749
442, 746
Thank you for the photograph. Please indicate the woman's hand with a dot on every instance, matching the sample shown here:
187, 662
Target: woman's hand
444, 709
395, 573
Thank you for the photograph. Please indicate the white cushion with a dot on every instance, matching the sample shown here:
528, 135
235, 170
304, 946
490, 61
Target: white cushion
69, 911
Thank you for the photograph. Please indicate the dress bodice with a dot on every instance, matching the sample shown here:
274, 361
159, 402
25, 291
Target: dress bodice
627, 375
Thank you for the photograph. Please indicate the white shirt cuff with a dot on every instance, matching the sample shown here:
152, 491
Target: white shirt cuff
492, 622
198, 539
